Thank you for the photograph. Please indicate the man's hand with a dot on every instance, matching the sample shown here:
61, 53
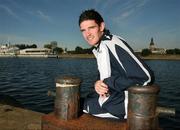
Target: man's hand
101, 88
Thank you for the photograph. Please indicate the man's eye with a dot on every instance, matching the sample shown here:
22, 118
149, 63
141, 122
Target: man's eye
92, 27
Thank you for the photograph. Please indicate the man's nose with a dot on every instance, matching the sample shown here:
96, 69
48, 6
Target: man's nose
88, 33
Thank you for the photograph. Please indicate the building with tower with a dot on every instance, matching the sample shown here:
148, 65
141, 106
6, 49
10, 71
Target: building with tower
154, 49
152, 45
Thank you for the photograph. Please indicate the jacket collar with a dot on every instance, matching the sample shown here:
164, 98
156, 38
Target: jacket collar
105, 36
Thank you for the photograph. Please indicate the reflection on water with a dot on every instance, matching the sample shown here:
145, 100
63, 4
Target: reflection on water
28, 79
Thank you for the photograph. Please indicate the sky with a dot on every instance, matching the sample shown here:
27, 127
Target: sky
137, 21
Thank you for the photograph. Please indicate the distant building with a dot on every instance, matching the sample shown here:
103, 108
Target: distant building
152, 45
12, 50
154, 49
8, 49
35, 51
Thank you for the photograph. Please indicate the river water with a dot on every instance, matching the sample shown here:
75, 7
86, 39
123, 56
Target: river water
28, 79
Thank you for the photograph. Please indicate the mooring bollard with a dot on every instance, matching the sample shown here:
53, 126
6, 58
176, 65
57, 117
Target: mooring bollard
142, 108
67, 97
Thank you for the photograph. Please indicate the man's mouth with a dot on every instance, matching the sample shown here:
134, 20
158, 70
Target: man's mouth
89, 38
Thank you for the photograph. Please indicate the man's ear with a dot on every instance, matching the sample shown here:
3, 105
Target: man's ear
102, 26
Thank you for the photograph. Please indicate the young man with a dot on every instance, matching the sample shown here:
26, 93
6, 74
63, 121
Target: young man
118, 66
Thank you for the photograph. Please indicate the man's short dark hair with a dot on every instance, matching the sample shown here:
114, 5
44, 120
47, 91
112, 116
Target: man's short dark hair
90, 14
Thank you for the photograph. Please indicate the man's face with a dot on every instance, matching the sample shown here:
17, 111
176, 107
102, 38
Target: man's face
91, 31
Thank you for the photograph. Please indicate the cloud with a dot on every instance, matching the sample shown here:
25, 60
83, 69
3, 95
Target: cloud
127, 13
120, 9
44, 16
129, 8
105, 6
10, 12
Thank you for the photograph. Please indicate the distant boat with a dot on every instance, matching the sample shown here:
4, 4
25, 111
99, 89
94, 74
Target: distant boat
36, 52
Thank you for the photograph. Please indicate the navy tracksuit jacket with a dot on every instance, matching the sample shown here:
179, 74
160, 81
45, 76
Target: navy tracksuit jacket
119, 68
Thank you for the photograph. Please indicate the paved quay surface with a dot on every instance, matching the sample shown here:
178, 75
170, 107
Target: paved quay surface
14, 118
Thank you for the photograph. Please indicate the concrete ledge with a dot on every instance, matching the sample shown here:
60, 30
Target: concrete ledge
84, 122
14, 118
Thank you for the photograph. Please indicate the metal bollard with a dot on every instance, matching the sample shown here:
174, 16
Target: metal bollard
165, 111
67, 97
142, 108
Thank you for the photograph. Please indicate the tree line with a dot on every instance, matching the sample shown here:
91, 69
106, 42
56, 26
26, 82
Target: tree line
58, 50
173, 51
79, 50
146, 51
24, 46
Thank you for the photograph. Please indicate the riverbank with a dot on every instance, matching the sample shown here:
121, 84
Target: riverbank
90, 56
86, 56
162, 57
150, 57
14, 118
30, 55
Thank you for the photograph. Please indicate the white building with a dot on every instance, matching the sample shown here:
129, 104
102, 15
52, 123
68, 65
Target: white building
36, 52
8, 50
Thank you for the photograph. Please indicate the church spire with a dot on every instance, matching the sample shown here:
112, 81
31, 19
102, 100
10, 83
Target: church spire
152, 42
152, 45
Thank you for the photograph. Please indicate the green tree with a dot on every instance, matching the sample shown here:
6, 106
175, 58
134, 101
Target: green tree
48, 46
88, 50
145, 52
78, 50
33, 46
173, 51
177, 51
58, 50
23, 46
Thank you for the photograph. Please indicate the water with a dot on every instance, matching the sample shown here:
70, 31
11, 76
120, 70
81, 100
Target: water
28, 79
